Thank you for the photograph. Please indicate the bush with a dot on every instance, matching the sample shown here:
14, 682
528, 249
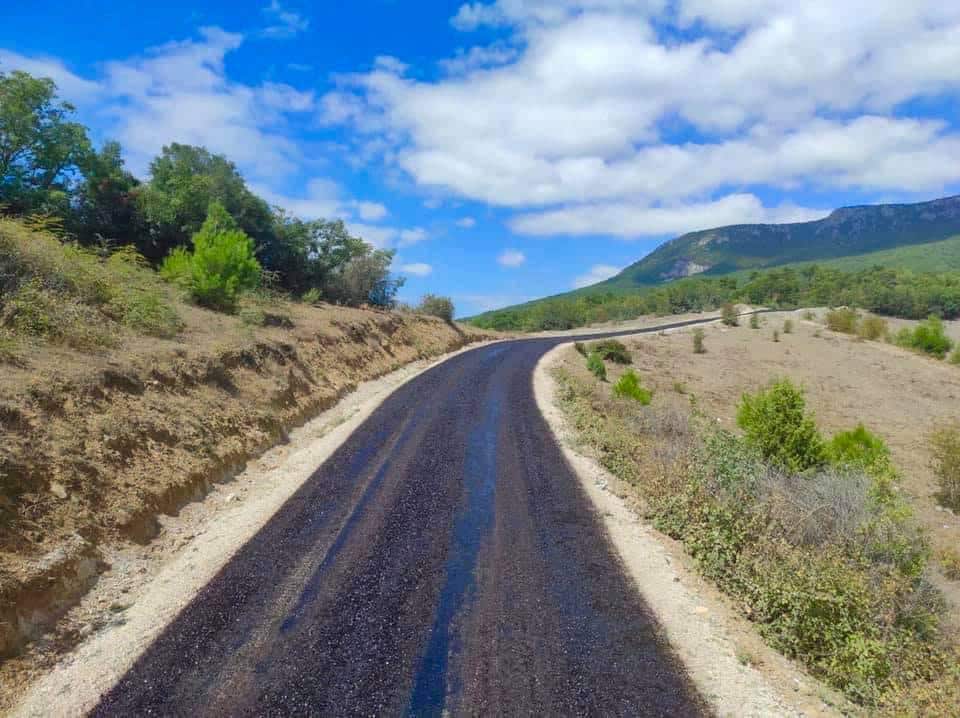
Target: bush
628, 387
222, 264
787, 326
955, 357
596, 366
776, 423
843, 320
754, 321
809, 315
873, 328
776, 335
950, 560
728, 315
612, 350
859, 448
312, 296
698, 347
436, 306
927, 337
581, 348
945, 445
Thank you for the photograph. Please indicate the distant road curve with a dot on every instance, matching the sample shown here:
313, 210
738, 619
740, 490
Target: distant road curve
443, 560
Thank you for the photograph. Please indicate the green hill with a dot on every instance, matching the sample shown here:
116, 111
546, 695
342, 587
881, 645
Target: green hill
850, 231
920, 238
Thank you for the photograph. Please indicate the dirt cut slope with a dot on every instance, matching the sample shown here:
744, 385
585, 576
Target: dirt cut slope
96, 446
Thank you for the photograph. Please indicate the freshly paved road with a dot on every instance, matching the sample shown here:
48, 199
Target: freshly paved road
443, 560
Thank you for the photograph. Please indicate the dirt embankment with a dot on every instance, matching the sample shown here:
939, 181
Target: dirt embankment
94, 448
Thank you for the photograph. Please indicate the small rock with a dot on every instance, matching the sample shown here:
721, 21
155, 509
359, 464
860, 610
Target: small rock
701, 610
58, 490
231, 498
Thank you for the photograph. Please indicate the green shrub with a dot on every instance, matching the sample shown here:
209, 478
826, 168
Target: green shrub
945, 445
581, 348
596, 366
955, 357
776, 423
728, 315
843, 320
221, 266
628, 386
754, 321
698, 347
927, 337
950, 560
787, 326
311, 296
873, 328
612, 350
436, 306
860, 448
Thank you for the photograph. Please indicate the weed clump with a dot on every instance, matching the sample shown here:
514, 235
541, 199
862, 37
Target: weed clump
698, 347
843, 320
612, 350
945, 446
787, 326
580, 348
776, 335
728, 315
776, 423
873, 328
754, 321
596, 366
861, 449
437, 306
628, 386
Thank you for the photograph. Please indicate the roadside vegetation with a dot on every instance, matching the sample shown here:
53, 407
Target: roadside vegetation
808, 533
100, 233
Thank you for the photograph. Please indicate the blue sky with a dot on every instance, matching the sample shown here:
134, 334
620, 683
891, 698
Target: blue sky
517, 148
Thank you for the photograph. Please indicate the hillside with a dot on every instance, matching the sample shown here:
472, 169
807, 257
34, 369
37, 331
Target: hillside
846, 232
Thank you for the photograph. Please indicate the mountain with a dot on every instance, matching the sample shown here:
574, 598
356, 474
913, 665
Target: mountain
845, 232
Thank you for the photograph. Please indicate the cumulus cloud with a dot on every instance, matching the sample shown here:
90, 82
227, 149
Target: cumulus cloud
72, 87
418, 269
467, 222
511, 258
638, 103
628, 221
284, 23
597, 273
413, 236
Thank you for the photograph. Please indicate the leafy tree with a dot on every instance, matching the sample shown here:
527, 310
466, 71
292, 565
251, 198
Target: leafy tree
364, 279
184, 181
106, 200
41, 151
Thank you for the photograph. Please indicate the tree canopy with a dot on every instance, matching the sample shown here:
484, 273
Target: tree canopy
49, 166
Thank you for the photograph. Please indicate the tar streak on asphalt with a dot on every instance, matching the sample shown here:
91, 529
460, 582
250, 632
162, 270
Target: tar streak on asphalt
443, 560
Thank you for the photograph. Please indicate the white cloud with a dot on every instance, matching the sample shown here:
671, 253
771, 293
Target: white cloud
589, 108
418, 269
371, 211
489, 302
626, 221
597, 273
284, 23
72, 87
467, 222
511, 258
412, 236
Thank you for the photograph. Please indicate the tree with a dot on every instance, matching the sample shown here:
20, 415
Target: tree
184, 180
41, 151
222, 264
437, 306
364, 279
106, 207
306, 254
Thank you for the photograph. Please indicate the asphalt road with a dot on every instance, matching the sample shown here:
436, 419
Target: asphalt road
443, 560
